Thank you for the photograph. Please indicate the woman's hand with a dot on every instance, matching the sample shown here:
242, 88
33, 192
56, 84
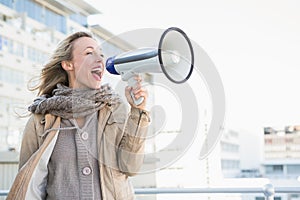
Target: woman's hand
138, 91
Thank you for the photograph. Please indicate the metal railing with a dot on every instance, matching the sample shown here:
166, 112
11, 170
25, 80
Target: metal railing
268, 191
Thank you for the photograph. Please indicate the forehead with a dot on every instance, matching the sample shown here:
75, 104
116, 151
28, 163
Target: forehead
85, 42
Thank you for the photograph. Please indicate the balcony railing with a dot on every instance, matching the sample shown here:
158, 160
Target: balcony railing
268, 191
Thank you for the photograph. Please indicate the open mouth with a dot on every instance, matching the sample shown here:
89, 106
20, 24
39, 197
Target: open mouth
97, 73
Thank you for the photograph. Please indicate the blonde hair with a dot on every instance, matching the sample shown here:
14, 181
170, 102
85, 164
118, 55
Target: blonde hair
52, 72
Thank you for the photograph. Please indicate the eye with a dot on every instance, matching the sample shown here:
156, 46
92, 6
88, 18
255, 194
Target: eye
89, 53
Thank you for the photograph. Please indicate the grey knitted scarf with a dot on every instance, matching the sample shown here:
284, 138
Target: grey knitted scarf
74, 103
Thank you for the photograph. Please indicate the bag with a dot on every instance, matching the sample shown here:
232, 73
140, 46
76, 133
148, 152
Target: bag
23, 179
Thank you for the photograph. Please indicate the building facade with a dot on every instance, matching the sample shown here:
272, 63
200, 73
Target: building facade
29, 32
282, 157
230, 154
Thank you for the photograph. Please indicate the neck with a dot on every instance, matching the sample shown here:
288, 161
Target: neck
80, 121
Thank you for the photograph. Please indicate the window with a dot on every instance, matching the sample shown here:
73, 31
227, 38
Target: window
7, 44
11, 76
79, 18
293, 169
36, 55
41, 14
3, 133
0, 42
274, 169
230, 164
7, 3
54, 20
227, 147
18, 49
13, 47
263, 198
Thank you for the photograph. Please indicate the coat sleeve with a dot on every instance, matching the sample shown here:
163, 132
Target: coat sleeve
124, 138
131, 147
30, 141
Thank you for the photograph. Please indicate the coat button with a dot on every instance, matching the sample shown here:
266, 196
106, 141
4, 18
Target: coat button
84, 135
86, 171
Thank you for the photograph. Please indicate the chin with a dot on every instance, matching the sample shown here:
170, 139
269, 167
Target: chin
97, 86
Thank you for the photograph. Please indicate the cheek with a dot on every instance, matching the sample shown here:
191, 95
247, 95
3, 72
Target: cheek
104, 66
79, 68
80, 74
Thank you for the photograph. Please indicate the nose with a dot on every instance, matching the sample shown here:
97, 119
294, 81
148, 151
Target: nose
99, 57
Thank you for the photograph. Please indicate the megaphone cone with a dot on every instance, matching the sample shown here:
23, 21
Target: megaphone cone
176, 55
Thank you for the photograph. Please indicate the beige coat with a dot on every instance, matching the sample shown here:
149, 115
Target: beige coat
120, 140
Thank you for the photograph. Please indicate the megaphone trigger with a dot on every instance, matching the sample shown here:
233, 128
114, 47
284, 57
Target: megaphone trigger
132, 82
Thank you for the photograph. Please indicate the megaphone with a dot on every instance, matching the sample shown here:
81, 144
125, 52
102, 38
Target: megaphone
174, 57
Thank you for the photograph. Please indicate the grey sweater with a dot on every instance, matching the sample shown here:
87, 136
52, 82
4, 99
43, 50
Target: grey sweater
73, 167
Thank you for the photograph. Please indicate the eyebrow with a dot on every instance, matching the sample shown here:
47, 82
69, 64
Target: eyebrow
88, 47
91, 47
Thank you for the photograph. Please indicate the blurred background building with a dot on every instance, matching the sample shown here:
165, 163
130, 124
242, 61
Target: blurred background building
29, 32
282, 156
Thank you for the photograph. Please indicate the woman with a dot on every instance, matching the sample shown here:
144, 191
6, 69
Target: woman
80, 143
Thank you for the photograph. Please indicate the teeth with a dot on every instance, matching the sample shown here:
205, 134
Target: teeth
97, 71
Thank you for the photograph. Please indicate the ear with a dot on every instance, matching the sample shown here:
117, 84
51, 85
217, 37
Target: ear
67, 65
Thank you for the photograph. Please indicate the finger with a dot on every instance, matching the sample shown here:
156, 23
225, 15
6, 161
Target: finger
128, 91
141, 93
137, 90
137, 87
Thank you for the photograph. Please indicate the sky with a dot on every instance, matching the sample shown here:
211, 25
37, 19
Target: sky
254, 45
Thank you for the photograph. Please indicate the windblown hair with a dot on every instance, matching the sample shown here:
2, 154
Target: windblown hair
52, 72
